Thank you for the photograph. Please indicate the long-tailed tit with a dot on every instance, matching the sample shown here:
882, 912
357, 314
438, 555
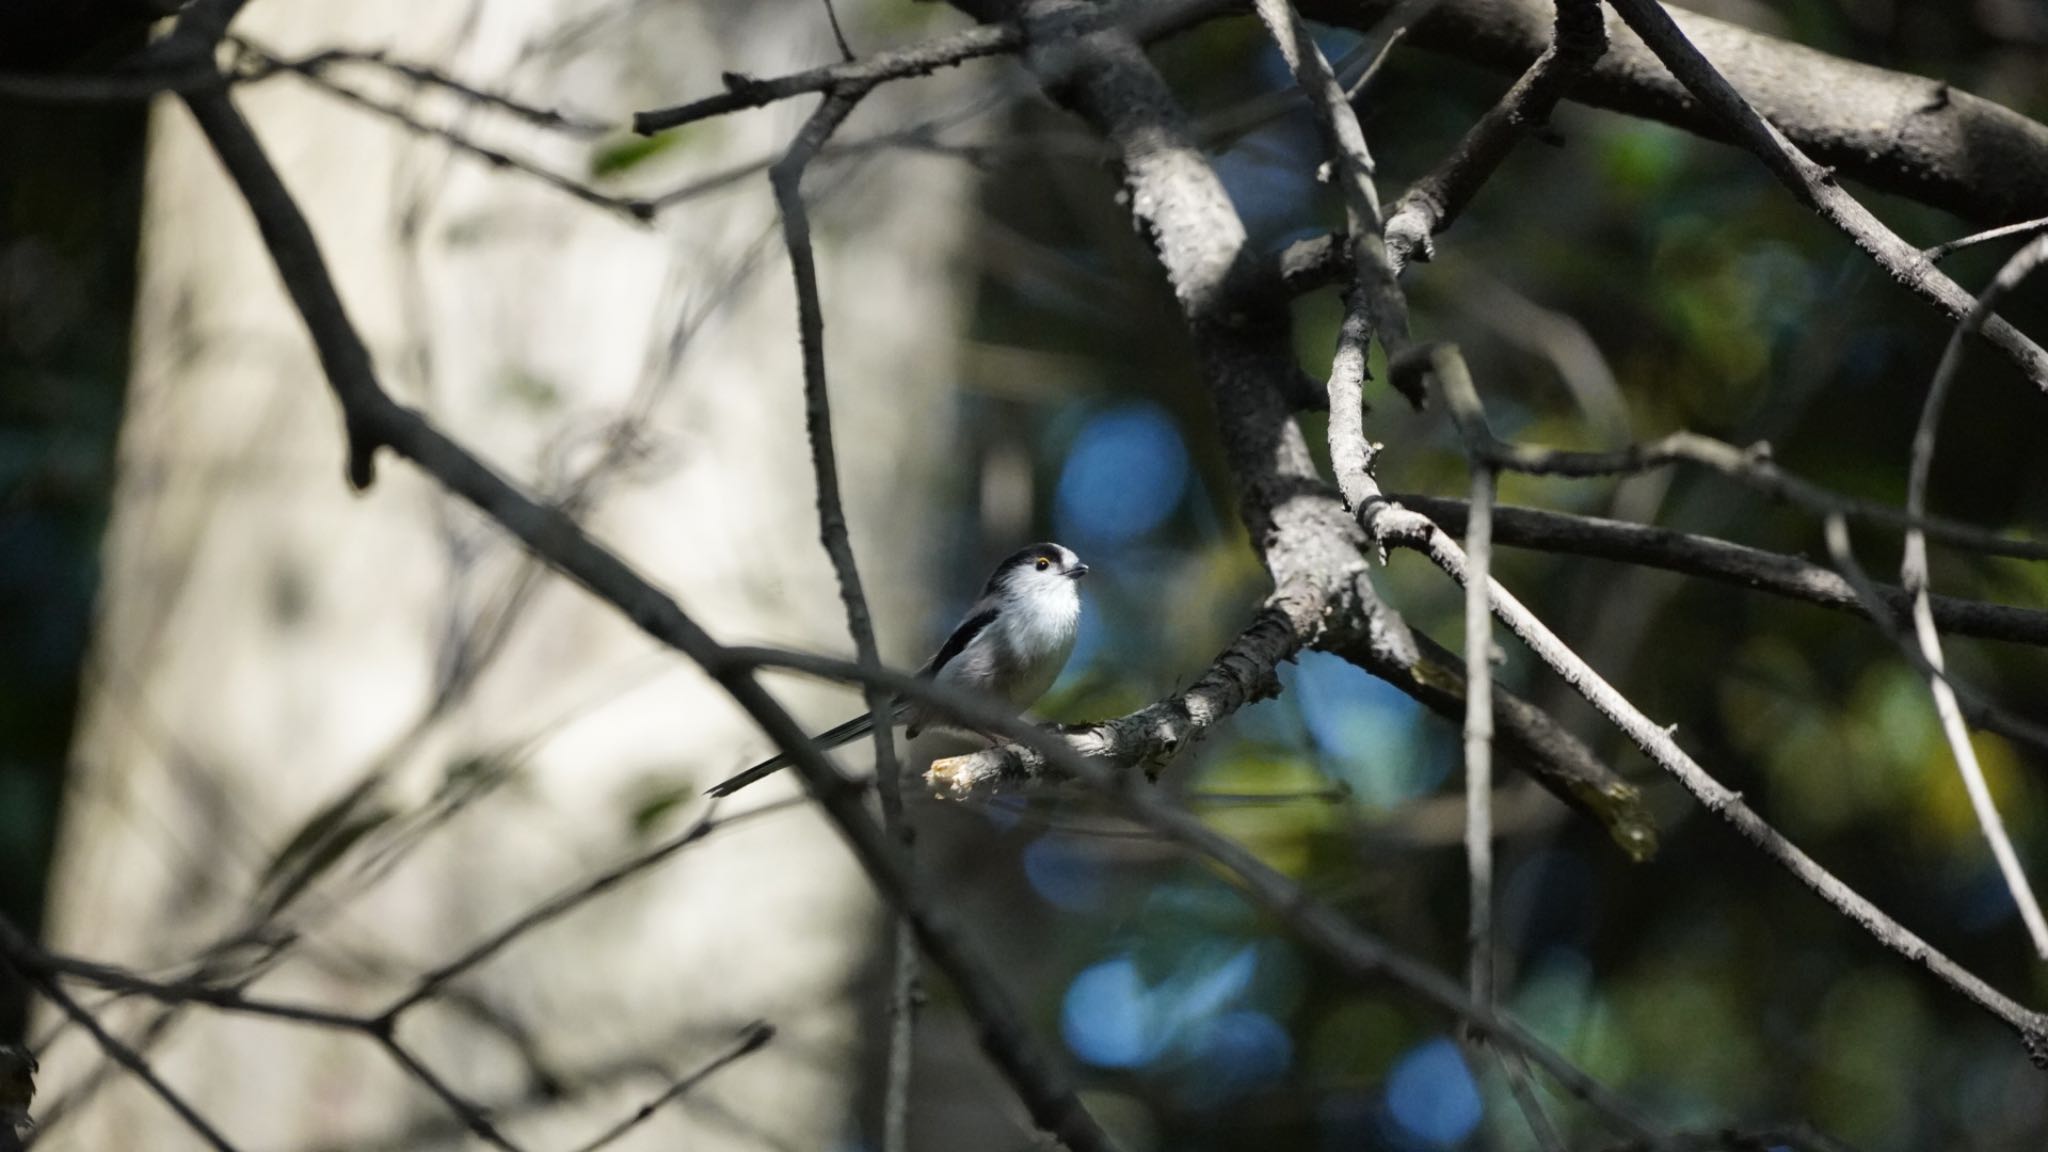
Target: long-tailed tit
1012, 645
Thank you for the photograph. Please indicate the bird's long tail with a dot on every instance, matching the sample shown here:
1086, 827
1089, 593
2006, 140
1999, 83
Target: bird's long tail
829, 739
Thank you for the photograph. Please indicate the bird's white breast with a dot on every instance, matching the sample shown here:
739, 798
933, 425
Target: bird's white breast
1037, 637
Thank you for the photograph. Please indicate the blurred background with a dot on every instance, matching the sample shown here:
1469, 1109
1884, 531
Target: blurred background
253, 725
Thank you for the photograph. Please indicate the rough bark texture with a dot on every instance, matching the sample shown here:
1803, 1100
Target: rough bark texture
1902, 133
266, 638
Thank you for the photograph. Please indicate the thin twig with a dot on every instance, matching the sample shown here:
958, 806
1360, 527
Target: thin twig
472, 1114
1578, 40
1727, 562
423, 76
838, 33
1943, 250
1392, 525
1146, 18
562, 903
1753, 466
787, 178
1913, 577
1461, 399
1522, 1086
752, 1039
14, 953
1391, 29
1375, 306
1479, 738
637, 209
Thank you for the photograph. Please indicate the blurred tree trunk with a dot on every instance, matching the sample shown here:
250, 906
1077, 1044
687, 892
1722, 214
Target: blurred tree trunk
269, 643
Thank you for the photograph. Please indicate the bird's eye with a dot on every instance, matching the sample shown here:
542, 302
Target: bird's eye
1043, 563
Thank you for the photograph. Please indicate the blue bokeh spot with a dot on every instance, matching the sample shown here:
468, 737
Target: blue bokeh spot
1365, 728
1064, 874
1104, 1017
1430, 1094
1112, 1018
1235, 1053
1124, 475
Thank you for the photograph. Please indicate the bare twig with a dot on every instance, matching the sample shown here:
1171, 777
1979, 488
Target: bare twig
420, 75
1578, 39
104, 88
473, 1115
1479, 736
1461, 399
1948, 248
1375, 306
1753, 466
634, 208
1393, 525
571, 899
380, 1026
1391, 29
1816, 187
16, 953
752, 1039
1727, 562
1146, 18
787, 177
1913, 576
838, 33
1909, 135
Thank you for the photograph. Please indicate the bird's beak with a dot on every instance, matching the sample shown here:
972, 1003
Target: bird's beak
1077, 571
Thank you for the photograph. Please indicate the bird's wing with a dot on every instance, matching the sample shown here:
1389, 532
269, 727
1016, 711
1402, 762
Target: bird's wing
978, 619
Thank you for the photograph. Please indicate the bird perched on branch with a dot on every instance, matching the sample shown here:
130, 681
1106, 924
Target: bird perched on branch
1011, 645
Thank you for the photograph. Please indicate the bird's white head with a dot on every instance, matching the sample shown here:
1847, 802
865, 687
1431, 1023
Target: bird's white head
1047, 572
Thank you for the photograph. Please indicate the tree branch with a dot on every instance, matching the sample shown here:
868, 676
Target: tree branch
1727, 562
1145, 18
1753, 467
1913, 575
787, 178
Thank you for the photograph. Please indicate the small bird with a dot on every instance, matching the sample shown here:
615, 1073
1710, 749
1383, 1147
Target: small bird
1012, 645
